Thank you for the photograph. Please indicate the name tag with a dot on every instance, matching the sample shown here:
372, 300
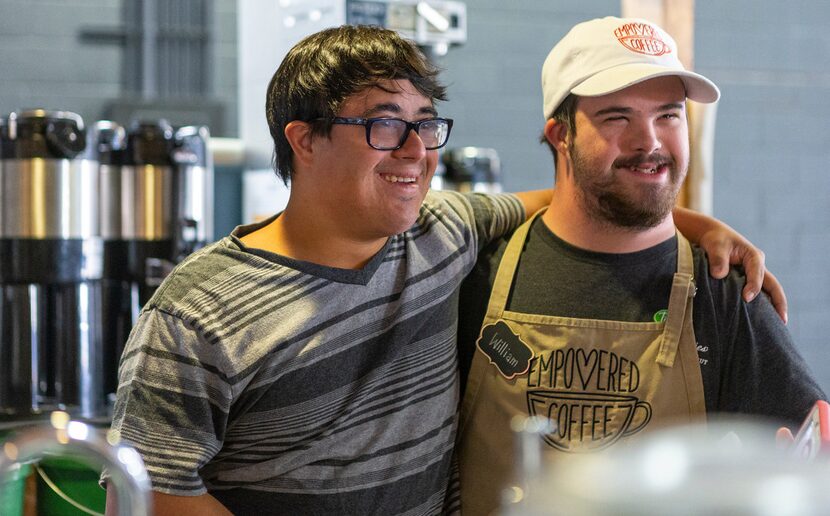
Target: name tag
505, 349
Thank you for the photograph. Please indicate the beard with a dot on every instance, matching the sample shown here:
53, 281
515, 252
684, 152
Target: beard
612, 202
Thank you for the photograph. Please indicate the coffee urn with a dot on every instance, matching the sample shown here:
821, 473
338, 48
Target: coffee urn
194, 215
472, 169
106, 143
52, 264
148, 180
157, 203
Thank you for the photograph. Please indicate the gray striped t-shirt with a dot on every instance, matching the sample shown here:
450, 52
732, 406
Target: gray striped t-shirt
288, 387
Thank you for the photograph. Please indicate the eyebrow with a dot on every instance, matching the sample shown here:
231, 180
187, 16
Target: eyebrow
395, 108
626, 110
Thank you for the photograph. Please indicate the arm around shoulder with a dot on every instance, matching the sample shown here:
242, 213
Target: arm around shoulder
726, 246
534, 200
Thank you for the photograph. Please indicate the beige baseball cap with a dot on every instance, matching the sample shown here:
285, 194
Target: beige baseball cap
605, 55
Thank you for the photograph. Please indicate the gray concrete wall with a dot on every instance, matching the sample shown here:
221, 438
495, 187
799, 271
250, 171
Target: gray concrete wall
772, 145
46, 63
494, 80
43, 62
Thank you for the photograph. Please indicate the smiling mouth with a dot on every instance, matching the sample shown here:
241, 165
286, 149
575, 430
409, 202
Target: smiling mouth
398, 179
646, 170
645, 164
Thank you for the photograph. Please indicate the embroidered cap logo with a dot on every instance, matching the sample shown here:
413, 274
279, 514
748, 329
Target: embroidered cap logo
642, 38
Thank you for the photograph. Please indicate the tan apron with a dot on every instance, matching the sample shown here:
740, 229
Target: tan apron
599, 381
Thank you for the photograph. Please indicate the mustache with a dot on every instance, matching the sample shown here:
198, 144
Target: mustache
640, 159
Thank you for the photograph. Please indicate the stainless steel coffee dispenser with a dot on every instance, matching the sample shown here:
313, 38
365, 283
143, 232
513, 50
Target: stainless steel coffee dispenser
51, 266
166, 199
148, 179
106, 142
194, 216
157, 199
472, 169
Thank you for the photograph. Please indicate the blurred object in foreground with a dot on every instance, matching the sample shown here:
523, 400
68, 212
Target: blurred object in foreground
67, 439
726, 467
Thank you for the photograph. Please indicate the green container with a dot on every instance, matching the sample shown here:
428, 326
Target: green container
75, 480
12, 489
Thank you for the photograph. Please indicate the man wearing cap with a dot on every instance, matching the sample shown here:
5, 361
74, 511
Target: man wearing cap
602, 317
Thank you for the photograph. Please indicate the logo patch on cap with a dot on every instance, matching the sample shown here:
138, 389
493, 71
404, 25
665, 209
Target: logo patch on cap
642, 38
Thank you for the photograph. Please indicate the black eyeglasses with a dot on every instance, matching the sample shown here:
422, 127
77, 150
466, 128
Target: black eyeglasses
391, 133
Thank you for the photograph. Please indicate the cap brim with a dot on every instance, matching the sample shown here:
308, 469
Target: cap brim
698, 87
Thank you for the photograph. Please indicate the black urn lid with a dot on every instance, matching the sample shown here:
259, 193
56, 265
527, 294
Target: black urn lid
38, 133
150, 143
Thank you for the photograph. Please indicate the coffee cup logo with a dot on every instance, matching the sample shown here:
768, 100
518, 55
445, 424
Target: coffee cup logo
642, 38
588, 421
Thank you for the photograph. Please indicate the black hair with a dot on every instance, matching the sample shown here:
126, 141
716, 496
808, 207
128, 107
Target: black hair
565, 113
326, 68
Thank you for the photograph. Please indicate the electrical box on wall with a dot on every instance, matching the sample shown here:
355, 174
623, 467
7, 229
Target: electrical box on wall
435, 24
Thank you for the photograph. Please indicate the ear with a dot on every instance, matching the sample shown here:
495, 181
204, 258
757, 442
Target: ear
557, 134
299, 137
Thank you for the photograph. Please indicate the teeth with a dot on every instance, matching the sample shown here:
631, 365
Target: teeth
398, 179
644, 170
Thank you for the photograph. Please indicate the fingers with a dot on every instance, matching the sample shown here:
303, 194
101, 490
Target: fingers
753, 261
718, 266
725, 248
759, 278
776, 295
719, 253
783, 438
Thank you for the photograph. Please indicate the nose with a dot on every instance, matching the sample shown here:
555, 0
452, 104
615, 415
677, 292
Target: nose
412, 148
644, 138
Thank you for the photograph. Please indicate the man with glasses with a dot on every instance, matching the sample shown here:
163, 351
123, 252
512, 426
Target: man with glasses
307, 364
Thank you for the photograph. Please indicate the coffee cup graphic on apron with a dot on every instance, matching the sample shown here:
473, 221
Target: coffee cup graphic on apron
586, 422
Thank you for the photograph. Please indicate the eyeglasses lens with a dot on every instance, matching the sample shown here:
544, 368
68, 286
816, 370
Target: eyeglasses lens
387, 133
433, 133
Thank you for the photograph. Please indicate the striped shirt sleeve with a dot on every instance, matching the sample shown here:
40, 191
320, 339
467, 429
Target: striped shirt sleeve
491, 216
172, 405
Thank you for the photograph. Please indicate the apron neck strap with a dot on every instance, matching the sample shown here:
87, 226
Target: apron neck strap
683, 288
507, 268
682, 291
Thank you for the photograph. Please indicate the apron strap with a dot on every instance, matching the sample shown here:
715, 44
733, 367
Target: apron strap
683, 289
507, 269
495, 308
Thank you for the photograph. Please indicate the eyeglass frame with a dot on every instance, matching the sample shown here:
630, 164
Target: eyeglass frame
410, 126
